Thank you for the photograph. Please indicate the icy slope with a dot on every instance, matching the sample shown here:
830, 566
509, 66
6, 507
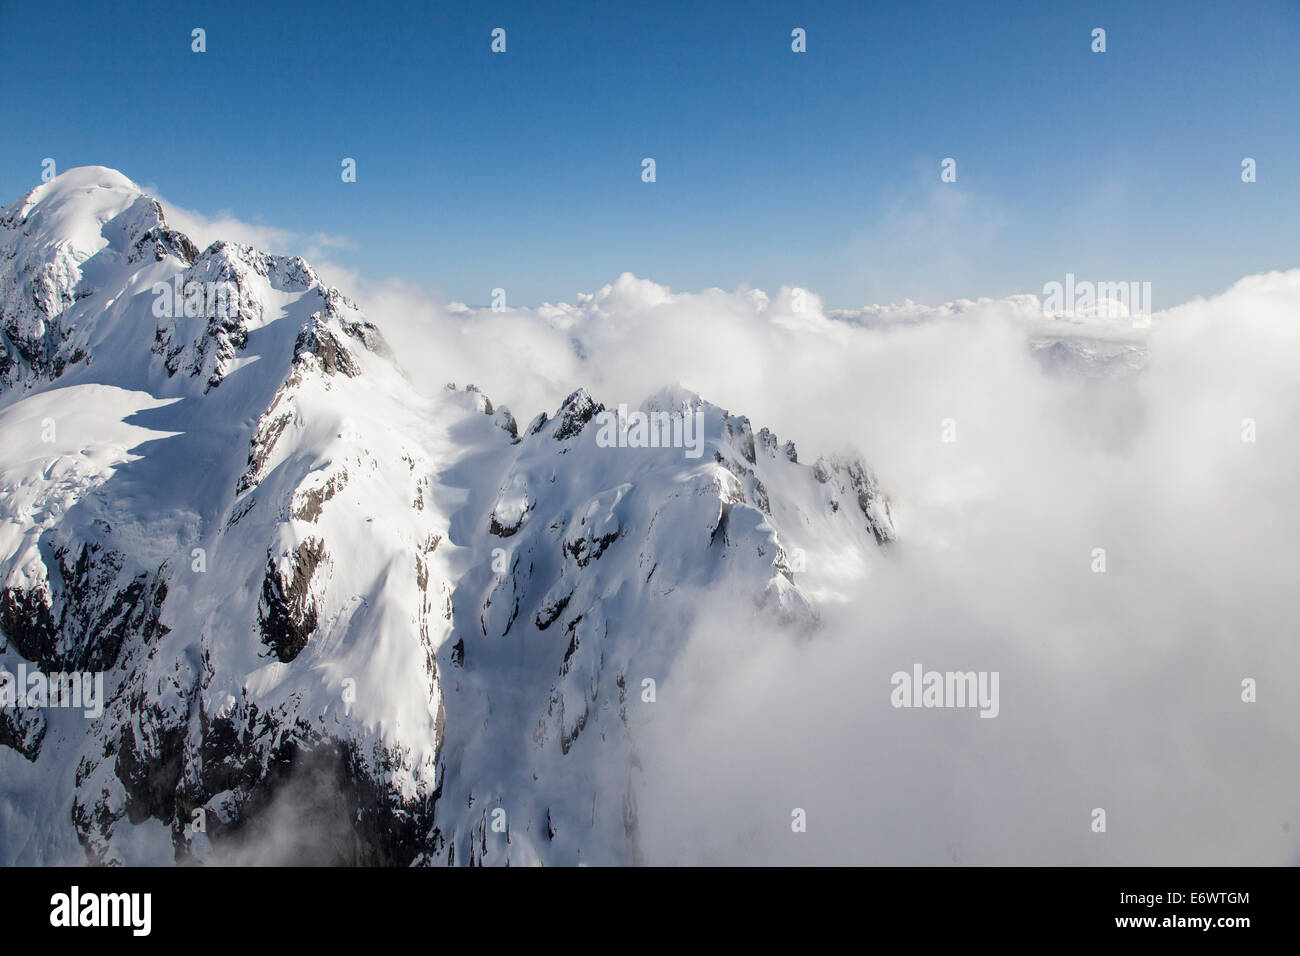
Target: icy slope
594, 563
339, 621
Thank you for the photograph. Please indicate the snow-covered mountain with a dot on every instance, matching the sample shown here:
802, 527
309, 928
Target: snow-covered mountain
339, 620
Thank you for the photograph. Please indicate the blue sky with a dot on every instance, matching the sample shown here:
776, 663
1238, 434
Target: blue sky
523, 170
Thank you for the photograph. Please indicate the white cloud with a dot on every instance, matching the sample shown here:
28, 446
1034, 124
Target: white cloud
203, 230
1119, 690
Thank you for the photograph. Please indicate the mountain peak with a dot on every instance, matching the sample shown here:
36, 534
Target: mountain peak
74, 206
226, 498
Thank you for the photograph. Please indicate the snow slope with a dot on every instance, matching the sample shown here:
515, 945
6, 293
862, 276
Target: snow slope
339, 620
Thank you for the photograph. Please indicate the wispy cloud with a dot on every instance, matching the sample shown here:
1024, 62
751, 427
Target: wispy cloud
1120, 690
205, 229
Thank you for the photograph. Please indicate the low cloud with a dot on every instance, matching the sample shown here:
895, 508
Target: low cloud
1120, 690
203, 230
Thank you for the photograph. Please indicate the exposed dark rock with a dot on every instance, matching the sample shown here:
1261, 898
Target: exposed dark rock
286, 614
317, 340
261, 446
308, 504
577, 410
548, 614
158, 243
22, 728
585, 549
81, 627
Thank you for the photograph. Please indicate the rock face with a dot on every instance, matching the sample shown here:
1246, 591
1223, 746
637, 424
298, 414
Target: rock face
338, 621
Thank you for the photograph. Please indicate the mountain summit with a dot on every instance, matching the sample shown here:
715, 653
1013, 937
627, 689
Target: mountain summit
335, 619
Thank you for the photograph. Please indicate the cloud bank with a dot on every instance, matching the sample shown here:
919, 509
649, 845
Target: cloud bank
1120, 691
203, 230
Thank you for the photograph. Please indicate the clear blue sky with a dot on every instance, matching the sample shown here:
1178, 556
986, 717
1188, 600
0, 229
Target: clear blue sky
821, 169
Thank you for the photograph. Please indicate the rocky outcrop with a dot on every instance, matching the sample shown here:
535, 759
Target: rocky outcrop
287, 613
340, 621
